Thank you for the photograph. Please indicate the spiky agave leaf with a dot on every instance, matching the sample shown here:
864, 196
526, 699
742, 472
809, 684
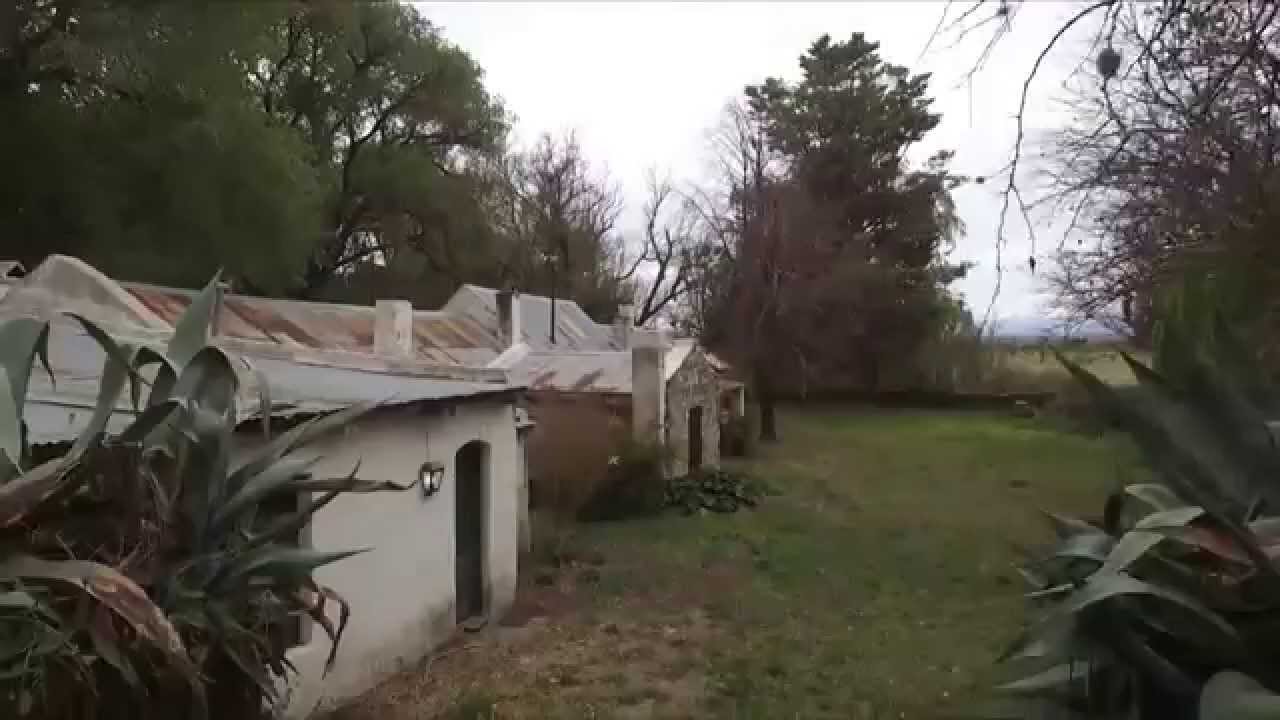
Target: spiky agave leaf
115, 591
122, 597
1065, 526
21, 497
1230, 695
1192, 475
192, 331
114, 377
312, 598
209, 381
1207, 435
279, 562
277, 477
294, 439
1101, 588
11, 445
1059, 678
1156, 496
1182, 586
223, 586
22, 340
289, 525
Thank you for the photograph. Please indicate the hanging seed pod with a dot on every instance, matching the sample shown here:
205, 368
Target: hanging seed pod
1108, 63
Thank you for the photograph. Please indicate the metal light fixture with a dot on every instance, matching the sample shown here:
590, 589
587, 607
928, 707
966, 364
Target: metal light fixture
430, 477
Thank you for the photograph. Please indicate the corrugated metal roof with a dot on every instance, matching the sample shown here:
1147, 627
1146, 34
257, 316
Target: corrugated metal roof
58, 410
597, 372
439, 337
676, 356
67, 284
593, 372
575, 330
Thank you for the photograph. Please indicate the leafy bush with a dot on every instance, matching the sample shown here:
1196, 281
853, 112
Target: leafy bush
140, 575
714, 490
1156, 611
633, 484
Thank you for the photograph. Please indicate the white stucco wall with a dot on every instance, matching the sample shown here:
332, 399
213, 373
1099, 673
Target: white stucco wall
402, 591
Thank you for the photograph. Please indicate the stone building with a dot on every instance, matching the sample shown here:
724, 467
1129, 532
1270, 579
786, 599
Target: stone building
669, 390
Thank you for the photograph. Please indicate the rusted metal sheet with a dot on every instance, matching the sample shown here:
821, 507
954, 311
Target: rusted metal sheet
439, 337
590, 372
593, 372
59, 411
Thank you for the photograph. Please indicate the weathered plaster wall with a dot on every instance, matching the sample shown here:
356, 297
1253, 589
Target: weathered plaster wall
402, 591
694, 384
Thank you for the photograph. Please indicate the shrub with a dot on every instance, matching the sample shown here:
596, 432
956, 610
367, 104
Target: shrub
633, 484
1156, 611
140, 575
554, 538
714, 490
569, 455
740, 436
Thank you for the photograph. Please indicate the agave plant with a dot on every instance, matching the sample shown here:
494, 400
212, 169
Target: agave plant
1170, 607
139, 574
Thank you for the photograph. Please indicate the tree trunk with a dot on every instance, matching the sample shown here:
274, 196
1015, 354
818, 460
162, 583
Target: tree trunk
768, 421
871, 371
768, 411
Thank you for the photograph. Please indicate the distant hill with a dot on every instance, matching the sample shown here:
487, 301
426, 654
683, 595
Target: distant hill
1029, 328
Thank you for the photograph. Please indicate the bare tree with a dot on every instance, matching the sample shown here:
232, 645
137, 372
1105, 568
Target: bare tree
664, 269
1171, 163
724, 210
554, 224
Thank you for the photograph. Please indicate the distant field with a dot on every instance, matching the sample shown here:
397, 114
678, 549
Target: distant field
1102, 360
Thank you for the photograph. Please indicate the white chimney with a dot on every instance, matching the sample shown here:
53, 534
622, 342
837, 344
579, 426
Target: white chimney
648, 386
393, 328
624, 324
510, 327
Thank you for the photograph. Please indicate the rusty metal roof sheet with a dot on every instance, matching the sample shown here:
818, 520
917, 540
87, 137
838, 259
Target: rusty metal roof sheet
59, 410
439, 337
575, 330
593, 372
676, 355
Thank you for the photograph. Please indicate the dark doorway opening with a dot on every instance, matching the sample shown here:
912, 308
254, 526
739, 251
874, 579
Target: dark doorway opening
469, 493
695, 438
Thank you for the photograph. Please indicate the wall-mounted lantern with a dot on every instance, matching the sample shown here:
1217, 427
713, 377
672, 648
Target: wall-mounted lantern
431, 478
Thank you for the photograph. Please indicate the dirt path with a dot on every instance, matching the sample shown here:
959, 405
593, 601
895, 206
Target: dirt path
564, 651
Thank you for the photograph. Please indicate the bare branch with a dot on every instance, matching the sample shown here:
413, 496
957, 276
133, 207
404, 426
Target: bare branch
1001, 239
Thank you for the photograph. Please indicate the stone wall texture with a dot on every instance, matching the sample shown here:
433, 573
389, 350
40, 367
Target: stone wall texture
694, 384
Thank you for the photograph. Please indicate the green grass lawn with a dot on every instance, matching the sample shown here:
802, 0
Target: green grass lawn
878, 584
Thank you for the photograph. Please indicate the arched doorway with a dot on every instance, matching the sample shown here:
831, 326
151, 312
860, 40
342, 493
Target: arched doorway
695, 438
471, 476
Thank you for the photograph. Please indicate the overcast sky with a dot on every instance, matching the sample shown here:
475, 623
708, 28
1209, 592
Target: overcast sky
642, 83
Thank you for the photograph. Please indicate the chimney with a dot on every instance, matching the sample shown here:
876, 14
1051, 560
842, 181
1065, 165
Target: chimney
393, 328
624, 325
648, 385
510, 328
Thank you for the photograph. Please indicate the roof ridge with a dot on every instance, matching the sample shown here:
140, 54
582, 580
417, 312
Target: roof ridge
580, 352
261, 298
